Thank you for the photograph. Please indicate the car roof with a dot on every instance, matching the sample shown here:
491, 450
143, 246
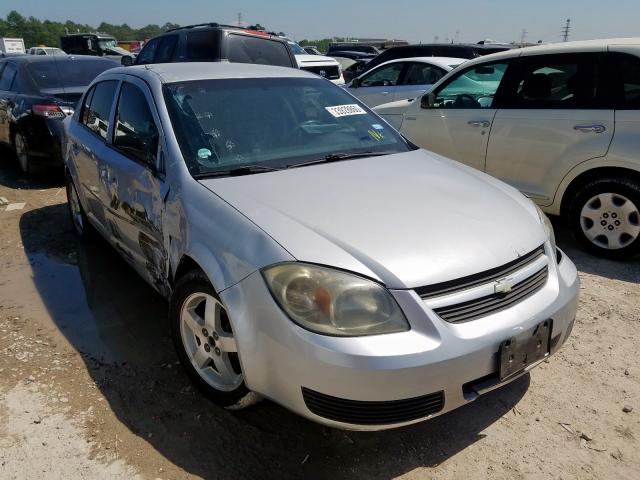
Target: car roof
58, 58
445, 62
597, 45
184, 72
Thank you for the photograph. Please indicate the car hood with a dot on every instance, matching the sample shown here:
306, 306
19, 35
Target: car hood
394, 108
408, 220
318, 60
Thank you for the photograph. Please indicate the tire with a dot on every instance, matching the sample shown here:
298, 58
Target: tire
82, 227
207, 349
604, 216
22, 154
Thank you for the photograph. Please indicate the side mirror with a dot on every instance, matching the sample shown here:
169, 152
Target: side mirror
428, 100
126, 60
355, 83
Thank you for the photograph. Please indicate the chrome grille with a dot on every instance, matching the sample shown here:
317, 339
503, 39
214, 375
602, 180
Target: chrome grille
481, 307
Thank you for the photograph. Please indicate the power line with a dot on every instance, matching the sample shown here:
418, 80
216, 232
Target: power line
565, 31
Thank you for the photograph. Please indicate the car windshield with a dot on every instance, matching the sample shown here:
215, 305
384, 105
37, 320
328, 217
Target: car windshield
106, 43
59, 73
296, 49
227, 124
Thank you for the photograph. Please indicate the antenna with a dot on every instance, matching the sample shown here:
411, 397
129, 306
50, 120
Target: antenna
435, 39
566, 30
523, 37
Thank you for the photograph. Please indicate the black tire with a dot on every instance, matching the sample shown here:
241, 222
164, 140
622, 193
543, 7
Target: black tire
82, 227
21, 148
625, 196
194, 283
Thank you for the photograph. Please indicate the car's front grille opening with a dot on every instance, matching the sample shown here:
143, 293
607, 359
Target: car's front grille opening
481, 278
332, 72
483, 306
359, 412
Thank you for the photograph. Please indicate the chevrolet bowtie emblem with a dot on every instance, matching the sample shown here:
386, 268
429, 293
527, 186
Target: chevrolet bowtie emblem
503, 286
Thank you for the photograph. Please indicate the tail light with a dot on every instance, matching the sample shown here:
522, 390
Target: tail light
48, 111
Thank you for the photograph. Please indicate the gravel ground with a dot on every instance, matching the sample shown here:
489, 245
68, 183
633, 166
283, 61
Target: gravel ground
90, 387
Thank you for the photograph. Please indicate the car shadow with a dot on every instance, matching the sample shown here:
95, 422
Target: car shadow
119, 326
12, 177
627, 270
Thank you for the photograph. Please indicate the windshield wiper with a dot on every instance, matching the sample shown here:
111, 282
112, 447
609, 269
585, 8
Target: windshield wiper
237, 172
336, 157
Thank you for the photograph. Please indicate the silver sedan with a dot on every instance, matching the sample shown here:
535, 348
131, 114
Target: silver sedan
309, 252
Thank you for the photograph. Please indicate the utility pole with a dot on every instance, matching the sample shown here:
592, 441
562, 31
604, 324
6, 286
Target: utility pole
457, 36
566, 30
240, 19
435, 39
523, 37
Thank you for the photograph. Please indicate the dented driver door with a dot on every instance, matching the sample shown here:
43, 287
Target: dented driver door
134, 186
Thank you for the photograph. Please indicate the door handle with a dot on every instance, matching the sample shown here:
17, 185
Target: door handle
385, 93
590, 128
479, 123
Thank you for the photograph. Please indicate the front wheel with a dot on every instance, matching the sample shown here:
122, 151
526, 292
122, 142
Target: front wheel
205, 341
81, 225
605, 217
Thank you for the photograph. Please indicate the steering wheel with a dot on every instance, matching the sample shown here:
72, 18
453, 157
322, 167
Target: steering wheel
465, 100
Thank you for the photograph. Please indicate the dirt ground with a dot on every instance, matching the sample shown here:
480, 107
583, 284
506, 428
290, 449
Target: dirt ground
90, 386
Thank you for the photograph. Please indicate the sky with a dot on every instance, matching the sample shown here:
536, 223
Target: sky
413, 20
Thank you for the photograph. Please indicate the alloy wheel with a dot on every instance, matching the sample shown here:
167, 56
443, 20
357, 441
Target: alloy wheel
76, 209
209, 342
610, 221
21, 152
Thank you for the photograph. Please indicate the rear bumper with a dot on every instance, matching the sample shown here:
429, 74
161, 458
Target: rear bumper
44, 140
371, 379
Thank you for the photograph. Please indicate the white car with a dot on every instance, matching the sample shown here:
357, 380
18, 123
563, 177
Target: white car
559, 122
45, 51
401, 79
326, 67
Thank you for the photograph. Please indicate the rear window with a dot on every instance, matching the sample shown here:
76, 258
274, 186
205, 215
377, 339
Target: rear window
246, 49
203, 45
60, 74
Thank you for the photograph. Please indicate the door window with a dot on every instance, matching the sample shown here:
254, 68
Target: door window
473, 88
97, 116
148, 52
8, 74
136, 134
630, 72
422, 74
261, 51
554, 81
383, 77
166, 49
202, 45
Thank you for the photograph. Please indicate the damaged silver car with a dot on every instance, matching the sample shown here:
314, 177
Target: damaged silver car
309, 252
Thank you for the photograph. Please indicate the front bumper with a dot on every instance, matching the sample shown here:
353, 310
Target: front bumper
280, 359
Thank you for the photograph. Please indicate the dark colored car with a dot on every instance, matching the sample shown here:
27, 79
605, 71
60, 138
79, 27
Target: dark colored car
351, 47
450, 50
36, 94
212, 42
97, 44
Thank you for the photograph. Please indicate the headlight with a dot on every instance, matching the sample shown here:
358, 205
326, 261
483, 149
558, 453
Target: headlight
547, 227
332, 302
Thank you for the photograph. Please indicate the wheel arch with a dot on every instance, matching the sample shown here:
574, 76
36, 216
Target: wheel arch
594, 174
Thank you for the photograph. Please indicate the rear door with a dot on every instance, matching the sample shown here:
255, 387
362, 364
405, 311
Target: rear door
133, 181
377, 86
87, 144
458, 122
417, 79
553, 115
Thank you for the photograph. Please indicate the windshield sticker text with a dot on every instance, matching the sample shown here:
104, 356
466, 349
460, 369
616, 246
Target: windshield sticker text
345, 110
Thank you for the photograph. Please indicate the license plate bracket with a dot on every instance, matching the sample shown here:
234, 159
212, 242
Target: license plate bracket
524, 349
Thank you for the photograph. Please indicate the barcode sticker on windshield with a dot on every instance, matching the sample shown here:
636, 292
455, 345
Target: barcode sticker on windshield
345, 110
